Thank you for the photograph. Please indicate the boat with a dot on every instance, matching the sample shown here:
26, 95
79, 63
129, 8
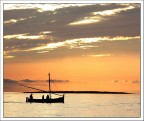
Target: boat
48, 99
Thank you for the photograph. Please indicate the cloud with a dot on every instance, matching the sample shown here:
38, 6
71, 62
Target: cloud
40, 7
135, 81
80, 42
32, 31
98, 16
127, 81
14, 20
85, 43
57, 81
24, 36
100, 55
22, 85
63, 16
10, 82
5, 53
28, 81
116, 81
9, 85
14, 85
14, 82
113, 48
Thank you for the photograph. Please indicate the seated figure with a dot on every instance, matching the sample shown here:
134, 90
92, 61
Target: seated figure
31, 97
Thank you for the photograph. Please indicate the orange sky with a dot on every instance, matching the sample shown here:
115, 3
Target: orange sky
84, 73
94, 46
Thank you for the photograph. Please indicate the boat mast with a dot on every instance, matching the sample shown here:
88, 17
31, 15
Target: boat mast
49, 87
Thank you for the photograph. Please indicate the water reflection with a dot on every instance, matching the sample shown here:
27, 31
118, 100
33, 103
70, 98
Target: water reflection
76, 105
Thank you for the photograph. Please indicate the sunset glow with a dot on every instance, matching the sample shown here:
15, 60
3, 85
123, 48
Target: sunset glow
95, 17
23, 36
85, 47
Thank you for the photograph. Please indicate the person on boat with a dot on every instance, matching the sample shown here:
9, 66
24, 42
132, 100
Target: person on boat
31, 97
43, 97
47, 97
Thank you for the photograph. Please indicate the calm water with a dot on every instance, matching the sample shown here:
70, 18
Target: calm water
76, 105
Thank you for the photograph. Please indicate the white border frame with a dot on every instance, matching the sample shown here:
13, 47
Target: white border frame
67, 1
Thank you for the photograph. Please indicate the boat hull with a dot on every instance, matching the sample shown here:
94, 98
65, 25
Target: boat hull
55, 100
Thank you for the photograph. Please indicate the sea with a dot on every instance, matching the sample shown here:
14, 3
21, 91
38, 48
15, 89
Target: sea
76, 105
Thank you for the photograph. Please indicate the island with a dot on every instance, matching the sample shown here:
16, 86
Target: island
88, 92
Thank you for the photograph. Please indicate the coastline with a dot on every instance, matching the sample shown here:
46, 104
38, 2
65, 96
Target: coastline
89, 92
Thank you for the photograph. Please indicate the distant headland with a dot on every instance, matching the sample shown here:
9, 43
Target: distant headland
89, 92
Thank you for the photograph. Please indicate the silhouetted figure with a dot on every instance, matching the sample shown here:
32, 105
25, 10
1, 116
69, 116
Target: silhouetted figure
31, 97
47, 97
43, 97
26, 99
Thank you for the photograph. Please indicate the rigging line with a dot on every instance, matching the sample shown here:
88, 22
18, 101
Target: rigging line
42, 77
38, 89
55, 87
57, 94
31, 87
53, 84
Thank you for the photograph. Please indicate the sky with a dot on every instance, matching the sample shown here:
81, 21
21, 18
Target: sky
85, 47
